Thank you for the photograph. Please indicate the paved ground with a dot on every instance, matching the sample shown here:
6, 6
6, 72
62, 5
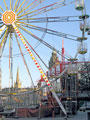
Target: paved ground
79, 116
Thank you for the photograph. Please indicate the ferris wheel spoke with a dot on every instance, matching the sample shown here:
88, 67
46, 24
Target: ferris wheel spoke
1, 26
39, 12
3, 41
32, 5
35, 51
40, 70
15, 5
51, 19
45, 8
20, 6
2, 48
2, 9
43, 42
2, 29
10, 4
49, 31
24, 61
24, 6
2, 34
27, 2
5, 4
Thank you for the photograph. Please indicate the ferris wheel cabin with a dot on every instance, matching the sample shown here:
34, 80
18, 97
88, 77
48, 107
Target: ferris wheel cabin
79, 5
84, 26
82, 49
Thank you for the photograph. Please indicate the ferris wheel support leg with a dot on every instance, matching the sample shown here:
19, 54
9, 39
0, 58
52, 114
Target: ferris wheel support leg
58, 101
40, 69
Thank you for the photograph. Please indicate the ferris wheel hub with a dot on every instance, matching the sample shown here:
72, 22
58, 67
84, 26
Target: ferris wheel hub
9, 17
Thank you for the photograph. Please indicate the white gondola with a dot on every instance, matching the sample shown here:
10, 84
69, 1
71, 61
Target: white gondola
89, 32
82, 49
79, 5
84, 26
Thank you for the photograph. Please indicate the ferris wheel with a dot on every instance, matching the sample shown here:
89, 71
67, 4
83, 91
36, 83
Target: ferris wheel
23, 20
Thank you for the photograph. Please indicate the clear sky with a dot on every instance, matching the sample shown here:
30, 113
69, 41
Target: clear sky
70, 46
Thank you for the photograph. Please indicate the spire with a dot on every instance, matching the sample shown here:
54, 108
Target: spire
17, 83
17, 77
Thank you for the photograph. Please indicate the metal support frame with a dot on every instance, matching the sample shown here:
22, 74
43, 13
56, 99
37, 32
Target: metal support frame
11, 60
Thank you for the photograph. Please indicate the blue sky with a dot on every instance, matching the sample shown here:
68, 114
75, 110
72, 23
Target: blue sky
72, 28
